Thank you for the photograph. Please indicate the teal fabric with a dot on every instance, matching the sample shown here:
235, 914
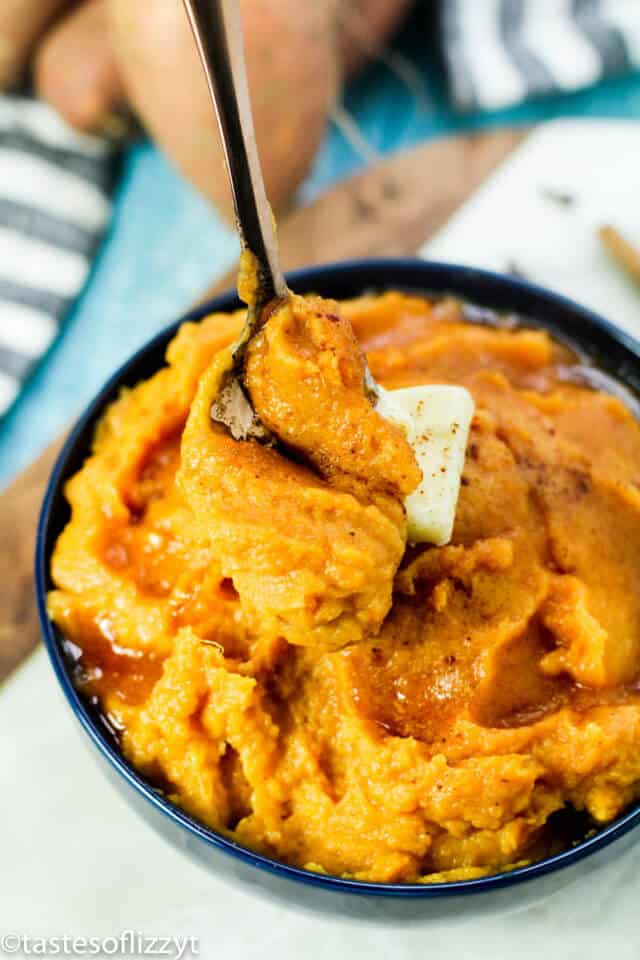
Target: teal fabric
165, 246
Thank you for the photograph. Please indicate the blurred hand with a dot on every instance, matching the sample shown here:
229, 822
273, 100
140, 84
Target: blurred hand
91, 57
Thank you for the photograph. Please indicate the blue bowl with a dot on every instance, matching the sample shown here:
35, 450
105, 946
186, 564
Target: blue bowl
612, 350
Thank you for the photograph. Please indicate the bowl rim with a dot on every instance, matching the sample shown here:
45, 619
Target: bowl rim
222, 303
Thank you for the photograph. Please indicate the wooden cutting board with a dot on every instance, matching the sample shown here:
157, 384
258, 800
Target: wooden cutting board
391, 209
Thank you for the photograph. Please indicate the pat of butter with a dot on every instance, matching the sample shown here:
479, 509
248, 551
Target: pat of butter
437, 421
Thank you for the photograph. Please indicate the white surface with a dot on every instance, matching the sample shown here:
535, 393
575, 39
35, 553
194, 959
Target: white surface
76, 860
510, 220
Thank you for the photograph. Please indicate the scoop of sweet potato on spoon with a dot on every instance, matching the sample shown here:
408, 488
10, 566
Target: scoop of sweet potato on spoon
311, 543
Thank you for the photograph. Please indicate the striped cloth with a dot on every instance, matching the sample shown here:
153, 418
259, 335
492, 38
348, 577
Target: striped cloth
499, 52
55, 187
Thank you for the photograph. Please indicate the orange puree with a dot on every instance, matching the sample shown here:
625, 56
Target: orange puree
288, 670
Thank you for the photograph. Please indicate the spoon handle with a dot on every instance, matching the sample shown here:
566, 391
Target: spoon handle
217, 28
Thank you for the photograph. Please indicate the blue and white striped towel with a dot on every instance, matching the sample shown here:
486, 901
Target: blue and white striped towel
499, 52
55, 187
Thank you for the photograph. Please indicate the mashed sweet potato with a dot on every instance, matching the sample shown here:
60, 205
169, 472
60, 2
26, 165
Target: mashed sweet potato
279, 661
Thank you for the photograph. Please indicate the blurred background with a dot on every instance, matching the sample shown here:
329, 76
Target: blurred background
108, 233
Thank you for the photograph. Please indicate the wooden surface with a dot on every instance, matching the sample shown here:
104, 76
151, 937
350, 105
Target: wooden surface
390, 209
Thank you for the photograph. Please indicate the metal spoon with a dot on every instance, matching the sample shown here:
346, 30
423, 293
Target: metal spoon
217, 28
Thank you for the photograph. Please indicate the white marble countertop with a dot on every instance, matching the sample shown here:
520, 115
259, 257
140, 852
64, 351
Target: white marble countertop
76, 860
